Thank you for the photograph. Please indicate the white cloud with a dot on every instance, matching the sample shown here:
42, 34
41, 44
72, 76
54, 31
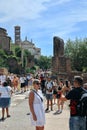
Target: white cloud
58, 2
28, 9
43, 19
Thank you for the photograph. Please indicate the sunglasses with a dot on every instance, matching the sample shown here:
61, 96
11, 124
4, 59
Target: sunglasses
37, 83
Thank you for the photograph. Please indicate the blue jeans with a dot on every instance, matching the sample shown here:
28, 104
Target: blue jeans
77, 123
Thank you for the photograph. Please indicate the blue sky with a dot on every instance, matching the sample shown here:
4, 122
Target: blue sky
41, 20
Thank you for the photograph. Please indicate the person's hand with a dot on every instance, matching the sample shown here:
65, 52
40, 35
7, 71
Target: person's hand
34, 117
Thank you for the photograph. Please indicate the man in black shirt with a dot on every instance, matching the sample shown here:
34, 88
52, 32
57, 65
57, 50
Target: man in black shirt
85, 87
76, 122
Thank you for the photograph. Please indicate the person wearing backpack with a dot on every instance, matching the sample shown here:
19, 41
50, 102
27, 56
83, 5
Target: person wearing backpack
85, 87
76, 121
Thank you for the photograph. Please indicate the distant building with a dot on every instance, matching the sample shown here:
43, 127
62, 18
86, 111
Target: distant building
36, 52
4, 40
17, 35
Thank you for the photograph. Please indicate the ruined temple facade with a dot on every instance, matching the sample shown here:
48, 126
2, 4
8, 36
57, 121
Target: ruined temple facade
4, 40
61, 66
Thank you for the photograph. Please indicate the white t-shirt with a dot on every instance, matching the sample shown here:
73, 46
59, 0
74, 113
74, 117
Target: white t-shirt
3, 78
5, 92
22, 79
49, 85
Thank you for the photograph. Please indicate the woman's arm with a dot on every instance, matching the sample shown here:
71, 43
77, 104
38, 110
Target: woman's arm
63, 98
31, 100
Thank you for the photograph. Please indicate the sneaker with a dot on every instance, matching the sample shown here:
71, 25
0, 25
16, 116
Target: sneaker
51, 109
60, 111
46, 109
8, 116
56, 112
2, 118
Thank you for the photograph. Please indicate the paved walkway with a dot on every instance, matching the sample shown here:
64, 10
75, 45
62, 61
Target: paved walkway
53, 122
59, 121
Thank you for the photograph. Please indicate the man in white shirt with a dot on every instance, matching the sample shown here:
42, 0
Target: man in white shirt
49, 93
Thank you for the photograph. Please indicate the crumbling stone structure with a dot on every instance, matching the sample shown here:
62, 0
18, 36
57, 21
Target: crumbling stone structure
61, 65
4, 40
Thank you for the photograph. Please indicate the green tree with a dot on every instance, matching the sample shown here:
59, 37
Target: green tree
77, 51
44, 62
26, 54
18, 51
3, 59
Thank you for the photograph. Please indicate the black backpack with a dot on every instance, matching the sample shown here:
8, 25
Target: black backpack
82, 104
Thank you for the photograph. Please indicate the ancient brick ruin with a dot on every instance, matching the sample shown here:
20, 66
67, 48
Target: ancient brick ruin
4, 40
61, 65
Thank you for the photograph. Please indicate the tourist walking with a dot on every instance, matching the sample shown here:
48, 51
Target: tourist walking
60, 103
49, 93
15, 83
37, 113
5, 99
22, 83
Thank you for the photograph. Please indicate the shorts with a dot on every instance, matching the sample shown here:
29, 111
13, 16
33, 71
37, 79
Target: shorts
49, 96
22, 85
5, 102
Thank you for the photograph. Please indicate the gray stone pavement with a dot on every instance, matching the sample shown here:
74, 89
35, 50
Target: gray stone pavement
19, 119
59, 121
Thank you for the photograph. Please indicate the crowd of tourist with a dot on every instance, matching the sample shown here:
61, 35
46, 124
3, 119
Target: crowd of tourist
18, 83
12, 84
52, 90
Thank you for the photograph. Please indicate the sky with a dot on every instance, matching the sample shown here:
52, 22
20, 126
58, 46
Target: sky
41, 20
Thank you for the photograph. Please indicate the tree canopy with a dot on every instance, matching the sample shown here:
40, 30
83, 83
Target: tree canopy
44, 62
77, 52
